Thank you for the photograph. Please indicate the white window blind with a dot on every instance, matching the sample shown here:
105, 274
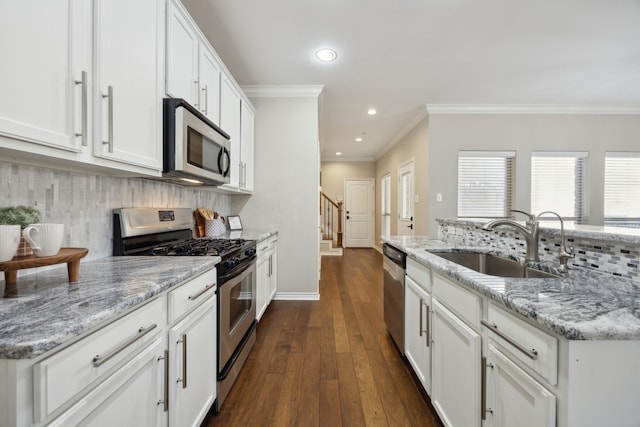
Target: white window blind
558, 184
385, 209
485, 184
622, 189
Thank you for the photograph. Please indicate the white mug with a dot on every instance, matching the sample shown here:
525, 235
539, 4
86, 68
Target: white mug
9, 241
45, 239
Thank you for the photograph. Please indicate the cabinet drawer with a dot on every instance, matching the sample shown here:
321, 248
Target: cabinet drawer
61, 376
525, 343
419, 273
191, 294
465, 304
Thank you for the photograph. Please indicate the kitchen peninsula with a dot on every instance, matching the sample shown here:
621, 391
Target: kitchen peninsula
538, 351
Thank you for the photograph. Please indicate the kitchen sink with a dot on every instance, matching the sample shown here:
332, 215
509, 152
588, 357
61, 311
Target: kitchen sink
493, 265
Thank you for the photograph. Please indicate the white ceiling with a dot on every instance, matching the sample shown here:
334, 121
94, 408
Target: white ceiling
400, 55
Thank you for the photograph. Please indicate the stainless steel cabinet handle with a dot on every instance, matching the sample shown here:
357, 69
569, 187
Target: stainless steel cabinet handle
165, 399
196, 101
83, 83
206, 288
183, 380
483, 381
206, 99
421, 316
109, 97
428, 325
99, 360
270, 265
531, 354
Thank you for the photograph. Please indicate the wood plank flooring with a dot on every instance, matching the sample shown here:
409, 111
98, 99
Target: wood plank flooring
329, 362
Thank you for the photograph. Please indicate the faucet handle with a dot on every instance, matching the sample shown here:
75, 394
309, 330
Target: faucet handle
532, 217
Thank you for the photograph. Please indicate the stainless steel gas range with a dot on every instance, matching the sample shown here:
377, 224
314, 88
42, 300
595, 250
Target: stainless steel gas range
169, 232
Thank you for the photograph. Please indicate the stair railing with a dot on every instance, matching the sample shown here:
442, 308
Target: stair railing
331, 214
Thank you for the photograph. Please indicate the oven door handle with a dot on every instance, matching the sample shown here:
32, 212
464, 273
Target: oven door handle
233, 273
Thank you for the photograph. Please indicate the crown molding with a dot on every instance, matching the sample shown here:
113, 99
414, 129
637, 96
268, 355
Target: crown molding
622, 109
403, 132
282, 91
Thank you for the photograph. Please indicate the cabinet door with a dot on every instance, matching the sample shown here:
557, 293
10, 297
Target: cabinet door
128, 107
417, 318
193, 366
132, 396
456, 369
209, 84
262, 285
247, 119
230, 123
514, 398
45, 48
182, 56
273, 274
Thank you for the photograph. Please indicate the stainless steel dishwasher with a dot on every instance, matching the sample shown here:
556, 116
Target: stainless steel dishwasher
394, 263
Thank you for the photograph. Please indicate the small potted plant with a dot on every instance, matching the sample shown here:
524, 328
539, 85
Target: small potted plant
22, 216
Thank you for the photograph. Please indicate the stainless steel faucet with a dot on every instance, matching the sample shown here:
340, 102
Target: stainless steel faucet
530, 232
565, 253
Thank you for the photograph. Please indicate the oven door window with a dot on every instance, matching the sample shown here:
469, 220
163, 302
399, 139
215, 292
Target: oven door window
206, 154
240, 301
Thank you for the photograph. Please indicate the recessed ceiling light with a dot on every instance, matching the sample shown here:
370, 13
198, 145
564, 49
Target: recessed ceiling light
358, 139
338, 153
326, 55
371, 111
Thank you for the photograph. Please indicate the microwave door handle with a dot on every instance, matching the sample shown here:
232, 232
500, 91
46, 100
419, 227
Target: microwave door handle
221, 167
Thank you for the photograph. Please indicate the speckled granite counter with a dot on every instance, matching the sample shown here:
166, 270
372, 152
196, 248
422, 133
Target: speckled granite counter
50, 311
249, 234
584, 305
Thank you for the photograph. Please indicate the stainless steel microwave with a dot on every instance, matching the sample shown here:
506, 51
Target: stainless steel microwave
196, 151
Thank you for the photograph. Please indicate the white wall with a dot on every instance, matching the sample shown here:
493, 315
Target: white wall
524, 133
286, 189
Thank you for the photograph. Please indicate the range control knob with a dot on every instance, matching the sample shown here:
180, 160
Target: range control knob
250, 252
231, 262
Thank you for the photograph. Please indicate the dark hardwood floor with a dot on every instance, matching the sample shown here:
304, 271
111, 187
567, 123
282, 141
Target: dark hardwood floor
328, 362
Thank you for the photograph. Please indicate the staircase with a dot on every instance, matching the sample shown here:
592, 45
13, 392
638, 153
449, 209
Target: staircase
330, 226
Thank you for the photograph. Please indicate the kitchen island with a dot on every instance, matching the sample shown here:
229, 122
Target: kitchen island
521, 351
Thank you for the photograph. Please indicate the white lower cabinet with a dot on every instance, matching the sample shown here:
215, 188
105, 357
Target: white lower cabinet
192, 366
456, 369
129, 397
417, 331
514, 398
266, 274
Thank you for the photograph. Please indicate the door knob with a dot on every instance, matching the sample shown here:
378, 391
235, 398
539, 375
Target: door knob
410, 226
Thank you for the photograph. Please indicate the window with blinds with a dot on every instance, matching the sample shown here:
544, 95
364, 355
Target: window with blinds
558, 184
485, 184
385, 209
622, 189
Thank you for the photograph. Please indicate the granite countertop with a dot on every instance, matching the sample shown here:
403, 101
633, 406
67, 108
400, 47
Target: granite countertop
50, 311
583, 305
250, 234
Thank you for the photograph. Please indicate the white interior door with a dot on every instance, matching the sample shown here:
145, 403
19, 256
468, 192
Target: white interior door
406, 197
359, 213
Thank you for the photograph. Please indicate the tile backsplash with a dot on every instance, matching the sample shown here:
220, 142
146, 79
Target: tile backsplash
608, 256
84, 202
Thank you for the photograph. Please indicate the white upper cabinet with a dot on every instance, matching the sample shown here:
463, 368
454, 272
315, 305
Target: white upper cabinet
247, 119
128, 112
230, 123
84, 82
193, 70
43, 47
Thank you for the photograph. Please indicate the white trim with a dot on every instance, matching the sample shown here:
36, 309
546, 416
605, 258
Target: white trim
632, 154
403, 132
532, 109
572, 154
488, 153
282, 91
347, 159
297, 296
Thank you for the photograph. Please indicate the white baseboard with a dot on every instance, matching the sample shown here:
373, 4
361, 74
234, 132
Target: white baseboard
297, 296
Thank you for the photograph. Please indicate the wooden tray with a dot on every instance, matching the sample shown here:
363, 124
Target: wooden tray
71, 256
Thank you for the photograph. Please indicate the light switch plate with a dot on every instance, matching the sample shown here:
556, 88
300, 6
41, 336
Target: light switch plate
438, 197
